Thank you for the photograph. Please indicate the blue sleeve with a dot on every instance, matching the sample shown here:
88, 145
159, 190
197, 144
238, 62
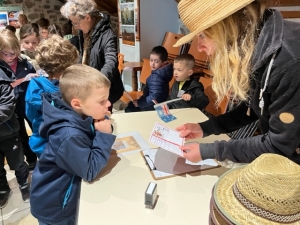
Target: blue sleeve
156, 91
76, 156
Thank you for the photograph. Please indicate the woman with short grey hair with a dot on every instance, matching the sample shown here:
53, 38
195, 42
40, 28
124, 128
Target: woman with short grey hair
97, 42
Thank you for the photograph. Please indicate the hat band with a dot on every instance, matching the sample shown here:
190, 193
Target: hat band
262, 212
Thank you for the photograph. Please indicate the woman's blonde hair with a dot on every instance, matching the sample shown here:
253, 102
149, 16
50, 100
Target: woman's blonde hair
235, 38
55, 54
79, 8
78, 81
8, 39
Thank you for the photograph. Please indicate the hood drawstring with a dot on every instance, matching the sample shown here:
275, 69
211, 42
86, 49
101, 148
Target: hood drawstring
261, 102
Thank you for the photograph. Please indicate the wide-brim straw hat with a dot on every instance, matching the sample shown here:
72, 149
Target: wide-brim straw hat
267, 191
198, 15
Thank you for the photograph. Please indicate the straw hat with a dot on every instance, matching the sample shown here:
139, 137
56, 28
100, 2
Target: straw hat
267, 191
198, 15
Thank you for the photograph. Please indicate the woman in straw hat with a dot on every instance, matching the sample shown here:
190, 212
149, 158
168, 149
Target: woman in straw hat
265, 192
255, 58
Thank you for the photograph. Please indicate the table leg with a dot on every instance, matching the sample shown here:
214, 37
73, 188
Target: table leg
134, 81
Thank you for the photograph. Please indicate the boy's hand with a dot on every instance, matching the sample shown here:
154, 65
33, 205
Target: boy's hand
103, 125
135, 103
186, 97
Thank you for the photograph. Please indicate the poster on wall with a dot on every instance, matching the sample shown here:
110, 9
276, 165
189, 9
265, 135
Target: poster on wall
3, 20
10, 13
128, 35
128, 13
13, 18
137, 20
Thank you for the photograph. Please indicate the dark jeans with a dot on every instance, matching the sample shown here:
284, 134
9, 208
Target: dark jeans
131, 108
11, 148
20, 111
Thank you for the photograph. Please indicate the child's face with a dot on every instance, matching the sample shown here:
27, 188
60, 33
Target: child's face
8, 55
96, 105
181, 71
30, 42
44, 33
155, 62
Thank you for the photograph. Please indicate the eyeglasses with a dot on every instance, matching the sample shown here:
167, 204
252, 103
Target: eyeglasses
75, 24
8, 54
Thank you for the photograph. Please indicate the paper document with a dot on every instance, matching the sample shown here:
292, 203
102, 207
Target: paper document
163, 164
166, 138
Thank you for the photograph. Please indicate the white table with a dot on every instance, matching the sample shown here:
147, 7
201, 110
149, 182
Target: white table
117, 197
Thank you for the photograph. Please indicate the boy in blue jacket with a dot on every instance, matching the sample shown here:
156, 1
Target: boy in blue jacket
78, 147
157, 84
53, 55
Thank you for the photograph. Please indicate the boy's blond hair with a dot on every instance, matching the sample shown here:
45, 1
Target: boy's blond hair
78, 81
55, 54
8, 39
187, 59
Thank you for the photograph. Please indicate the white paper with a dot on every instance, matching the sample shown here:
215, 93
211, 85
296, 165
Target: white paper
166, 138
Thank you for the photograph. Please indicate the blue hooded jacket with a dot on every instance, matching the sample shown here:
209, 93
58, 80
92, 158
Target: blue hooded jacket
156, 88
73, 148
37, 86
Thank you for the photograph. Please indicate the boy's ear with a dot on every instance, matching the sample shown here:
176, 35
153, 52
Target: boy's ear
76, 104
190, 72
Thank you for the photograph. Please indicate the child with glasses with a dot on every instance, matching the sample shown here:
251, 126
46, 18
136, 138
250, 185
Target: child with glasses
11, 66
19, 67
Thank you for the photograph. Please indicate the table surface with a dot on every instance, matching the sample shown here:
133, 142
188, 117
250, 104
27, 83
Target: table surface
117, 195
134, 65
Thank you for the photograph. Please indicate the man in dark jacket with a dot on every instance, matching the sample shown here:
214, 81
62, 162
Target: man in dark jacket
186, 87
10, 144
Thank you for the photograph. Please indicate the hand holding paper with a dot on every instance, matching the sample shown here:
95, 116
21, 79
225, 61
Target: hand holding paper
191, 152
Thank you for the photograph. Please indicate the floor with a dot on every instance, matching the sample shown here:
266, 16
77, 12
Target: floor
16, 211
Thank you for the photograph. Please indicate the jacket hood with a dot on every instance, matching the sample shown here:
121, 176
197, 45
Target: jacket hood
165, 72
57, 114
271, 33
102, 25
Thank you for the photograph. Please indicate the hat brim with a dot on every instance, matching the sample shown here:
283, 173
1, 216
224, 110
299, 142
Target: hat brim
187, 38
230, 206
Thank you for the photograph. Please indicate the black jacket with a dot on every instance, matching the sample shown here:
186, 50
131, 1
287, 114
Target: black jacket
280, 121
195, 89
9, 125
104, 56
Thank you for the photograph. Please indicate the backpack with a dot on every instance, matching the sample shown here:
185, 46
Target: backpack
33, 109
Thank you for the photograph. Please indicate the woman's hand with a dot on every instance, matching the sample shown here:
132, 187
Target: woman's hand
190, 131
103, 125
191, 152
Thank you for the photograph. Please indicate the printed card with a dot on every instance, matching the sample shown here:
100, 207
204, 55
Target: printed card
166, 138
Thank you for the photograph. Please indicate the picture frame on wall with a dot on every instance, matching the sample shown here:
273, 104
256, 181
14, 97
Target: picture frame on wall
128, 15
128, 35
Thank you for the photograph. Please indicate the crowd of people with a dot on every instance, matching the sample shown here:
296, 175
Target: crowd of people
64, 84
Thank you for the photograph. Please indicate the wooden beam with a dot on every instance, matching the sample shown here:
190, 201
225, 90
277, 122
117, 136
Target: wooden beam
109, 7
284, 3
290, 14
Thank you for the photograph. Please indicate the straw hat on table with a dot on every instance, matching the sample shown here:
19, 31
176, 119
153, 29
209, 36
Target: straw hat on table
267, 191
198, 15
